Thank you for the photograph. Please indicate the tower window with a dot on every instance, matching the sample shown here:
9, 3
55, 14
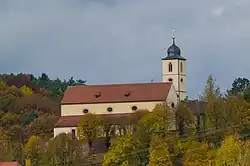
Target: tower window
181, 79
181, 67
170, 79
170, 67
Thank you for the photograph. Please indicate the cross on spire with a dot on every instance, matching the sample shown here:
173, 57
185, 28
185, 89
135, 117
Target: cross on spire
173, 36
173, 33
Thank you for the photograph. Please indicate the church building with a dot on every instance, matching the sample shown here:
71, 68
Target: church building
123, 99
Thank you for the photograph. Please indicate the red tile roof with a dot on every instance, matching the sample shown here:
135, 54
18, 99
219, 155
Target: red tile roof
9, 164
73, 121
116, 93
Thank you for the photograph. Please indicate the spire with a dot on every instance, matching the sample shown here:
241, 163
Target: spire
173, 36
173, 52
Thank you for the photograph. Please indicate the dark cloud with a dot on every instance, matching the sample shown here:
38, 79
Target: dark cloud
123, 41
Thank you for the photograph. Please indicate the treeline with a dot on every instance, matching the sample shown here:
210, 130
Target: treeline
240, 87
29, 105
55, 87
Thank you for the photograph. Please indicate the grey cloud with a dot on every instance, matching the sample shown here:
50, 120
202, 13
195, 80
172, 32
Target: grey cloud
123, 41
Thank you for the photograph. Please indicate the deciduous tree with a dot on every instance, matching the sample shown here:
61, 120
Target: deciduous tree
34, 150
63, 150
230, 152
239, 86
42, 126
26, 90
88, 129
122, 152
159, 152
211, 90
196, 154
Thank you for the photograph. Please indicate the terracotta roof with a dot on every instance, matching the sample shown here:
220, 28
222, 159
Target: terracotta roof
9, 164
116, 93
73, 121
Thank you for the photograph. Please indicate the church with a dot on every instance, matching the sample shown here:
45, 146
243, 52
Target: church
123, 99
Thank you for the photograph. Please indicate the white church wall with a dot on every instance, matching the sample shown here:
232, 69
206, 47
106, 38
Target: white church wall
101, 108
172, 97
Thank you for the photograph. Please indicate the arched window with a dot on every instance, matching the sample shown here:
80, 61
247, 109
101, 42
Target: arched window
170, 67
181, 67
172, 105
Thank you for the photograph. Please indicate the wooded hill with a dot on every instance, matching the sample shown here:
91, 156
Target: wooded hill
30, 106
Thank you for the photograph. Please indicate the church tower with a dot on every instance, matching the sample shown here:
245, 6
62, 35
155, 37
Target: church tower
174, 69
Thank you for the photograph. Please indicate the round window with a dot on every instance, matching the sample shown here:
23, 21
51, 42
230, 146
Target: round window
109, 109
181, 79
134, 108
85, 111
170, 79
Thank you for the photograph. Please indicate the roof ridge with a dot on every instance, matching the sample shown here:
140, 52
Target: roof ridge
120, 84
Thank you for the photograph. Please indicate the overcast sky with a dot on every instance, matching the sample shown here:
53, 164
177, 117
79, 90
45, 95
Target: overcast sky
123, 41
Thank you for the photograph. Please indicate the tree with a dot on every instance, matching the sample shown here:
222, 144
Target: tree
17, 149
34, 150
63, 150
107, 126
239, 86
26, 90
135, 117
36, 103
213, 113
80, 82
71, 82
211, 90
8, 120
156, 122
231, 152
185, 117
246, 94
88, 129
9, 149
42, 126
7, 95
121, 152
16, 134
196, 154
236, 113
6, 153
159, 153
152, 123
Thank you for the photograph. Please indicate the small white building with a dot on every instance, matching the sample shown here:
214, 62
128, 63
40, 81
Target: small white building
122, 99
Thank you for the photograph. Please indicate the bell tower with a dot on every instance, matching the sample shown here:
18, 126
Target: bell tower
174, 69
